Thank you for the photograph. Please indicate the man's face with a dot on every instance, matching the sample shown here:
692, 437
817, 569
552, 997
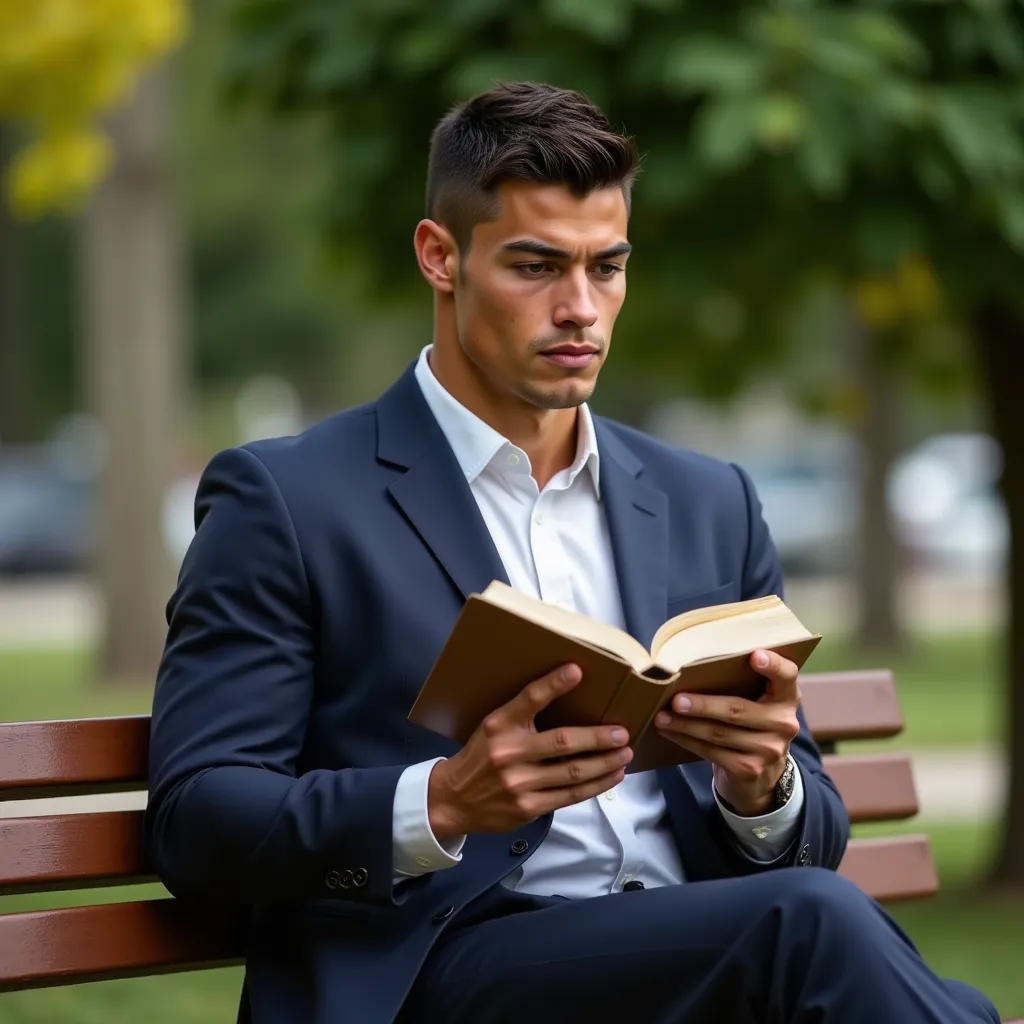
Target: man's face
537, 294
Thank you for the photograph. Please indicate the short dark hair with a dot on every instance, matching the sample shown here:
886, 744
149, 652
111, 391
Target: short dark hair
521, 131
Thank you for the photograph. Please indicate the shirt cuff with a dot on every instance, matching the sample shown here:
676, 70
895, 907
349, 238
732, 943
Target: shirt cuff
766, 837
415, 849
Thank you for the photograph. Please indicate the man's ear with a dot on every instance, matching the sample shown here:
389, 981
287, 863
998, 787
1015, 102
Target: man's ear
437, 255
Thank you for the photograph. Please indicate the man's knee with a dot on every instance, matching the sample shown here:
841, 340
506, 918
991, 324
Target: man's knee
824, 896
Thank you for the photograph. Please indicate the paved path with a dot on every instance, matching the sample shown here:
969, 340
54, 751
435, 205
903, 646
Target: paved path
953, 785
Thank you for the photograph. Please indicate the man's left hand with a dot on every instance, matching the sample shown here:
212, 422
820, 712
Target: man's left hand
747, 741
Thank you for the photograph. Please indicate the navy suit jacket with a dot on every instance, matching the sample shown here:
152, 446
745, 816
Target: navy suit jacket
325, 575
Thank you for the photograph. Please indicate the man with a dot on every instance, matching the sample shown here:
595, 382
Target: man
394, 876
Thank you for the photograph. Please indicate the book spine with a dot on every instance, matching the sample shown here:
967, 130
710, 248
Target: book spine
629, 706
656, 695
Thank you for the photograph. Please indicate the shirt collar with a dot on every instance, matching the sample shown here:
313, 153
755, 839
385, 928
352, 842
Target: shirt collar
476, 444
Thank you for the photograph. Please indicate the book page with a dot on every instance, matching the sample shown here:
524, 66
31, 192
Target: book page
570, 623
716, 611
771, 624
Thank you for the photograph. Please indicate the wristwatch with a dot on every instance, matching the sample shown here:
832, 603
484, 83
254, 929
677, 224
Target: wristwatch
784, 787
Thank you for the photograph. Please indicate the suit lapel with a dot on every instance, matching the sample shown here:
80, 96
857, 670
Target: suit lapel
637, 517
433, 492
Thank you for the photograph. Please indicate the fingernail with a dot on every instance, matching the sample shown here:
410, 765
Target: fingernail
569, 674
663, 718
619, 735
683, 704
761, 659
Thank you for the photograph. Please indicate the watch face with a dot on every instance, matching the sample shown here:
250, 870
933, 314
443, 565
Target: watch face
784, 787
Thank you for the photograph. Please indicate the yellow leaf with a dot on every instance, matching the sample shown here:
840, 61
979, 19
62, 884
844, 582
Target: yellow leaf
63, 64
57, 172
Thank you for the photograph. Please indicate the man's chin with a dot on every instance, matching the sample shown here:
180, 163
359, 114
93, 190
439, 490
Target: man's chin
569, 394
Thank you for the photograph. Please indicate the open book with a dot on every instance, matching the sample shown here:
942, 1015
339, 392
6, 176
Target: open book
504, 639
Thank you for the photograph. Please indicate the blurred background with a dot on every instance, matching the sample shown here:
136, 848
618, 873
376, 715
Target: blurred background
205, 238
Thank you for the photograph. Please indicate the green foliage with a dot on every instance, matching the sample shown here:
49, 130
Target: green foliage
783, 141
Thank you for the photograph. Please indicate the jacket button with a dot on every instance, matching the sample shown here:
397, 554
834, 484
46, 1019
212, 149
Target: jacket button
443, 915
634, 886
804, 858
345, 880
360, 877
520, 846
333, 880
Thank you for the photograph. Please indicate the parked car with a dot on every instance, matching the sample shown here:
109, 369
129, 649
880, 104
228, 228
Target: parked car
946, 505
809, 496
46, 517
49, 515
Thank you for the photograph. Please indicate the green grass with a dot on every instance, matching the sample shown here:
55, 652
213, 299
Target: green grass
949, 693
38, 683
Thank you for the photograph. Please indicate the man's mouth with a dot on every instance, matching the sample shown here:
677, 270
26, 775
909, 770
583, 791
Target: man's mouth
572, 356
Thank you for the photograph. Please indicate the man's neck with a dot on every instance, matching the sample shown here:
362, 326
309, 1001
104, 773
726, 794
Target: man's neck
548, 436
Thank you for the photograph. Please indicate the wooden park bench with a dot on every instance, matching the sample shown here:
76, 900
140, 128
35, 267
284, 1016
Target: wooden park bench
155, 936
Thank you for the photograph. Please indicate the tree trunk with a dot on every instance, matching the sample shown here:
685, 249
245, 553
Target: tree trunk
880, 434
131, 296
16, 420
999, 335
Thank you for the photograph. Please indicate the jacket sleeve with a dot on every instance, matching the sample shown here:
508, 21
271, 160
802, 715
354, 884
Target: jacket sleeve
228, 818
824, 828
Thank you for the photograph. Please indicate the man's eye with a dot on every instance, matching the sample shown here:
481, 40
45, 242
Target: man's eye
533, 269
608, 269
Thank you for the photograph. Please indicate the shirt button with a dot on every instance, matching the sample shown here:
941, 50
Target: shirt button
539, 519
610, 795
424, 862
513, 459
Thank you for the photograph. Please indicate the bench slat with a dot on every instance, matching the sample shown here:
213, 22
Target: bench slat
66, 758
71, 851
891, 868
118, 940
874, 787
851, 705
114, 940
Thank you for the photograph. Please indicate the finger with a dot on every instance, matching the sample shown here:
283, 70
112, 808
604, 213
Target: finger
781, 674
734, 762
566, 741
771, 742
534, 698
710, 731
573, 771
746, 714
723, 709
548, 800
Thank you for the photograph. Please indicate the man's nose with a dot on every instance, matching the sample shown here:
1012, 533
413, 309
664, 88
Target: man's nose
576, 305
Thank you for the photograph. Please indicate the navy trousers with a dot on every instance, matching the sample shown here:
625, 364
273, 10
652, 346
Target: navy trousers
794, 945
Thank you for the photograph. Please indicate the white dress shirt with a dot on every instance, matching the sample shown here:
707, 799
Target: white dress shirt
554, 544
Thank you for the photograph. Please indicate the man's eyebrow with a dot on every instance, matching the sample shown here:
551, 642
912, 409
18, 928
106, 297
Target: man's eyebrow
619, 249
549, 252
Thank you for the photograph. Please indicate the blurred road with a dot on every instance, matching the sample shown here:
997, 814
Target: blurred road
69, 612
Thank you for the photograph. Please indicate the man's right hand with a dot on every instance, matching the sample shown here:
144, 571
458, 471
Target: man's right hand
502, 778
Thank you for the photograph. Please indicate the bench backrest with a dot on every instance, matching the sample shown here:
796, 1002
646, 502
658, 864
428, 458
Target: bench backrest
88, 850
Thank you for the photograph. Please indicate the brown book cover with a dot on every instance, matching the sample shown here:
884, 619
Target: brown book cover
493, 652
